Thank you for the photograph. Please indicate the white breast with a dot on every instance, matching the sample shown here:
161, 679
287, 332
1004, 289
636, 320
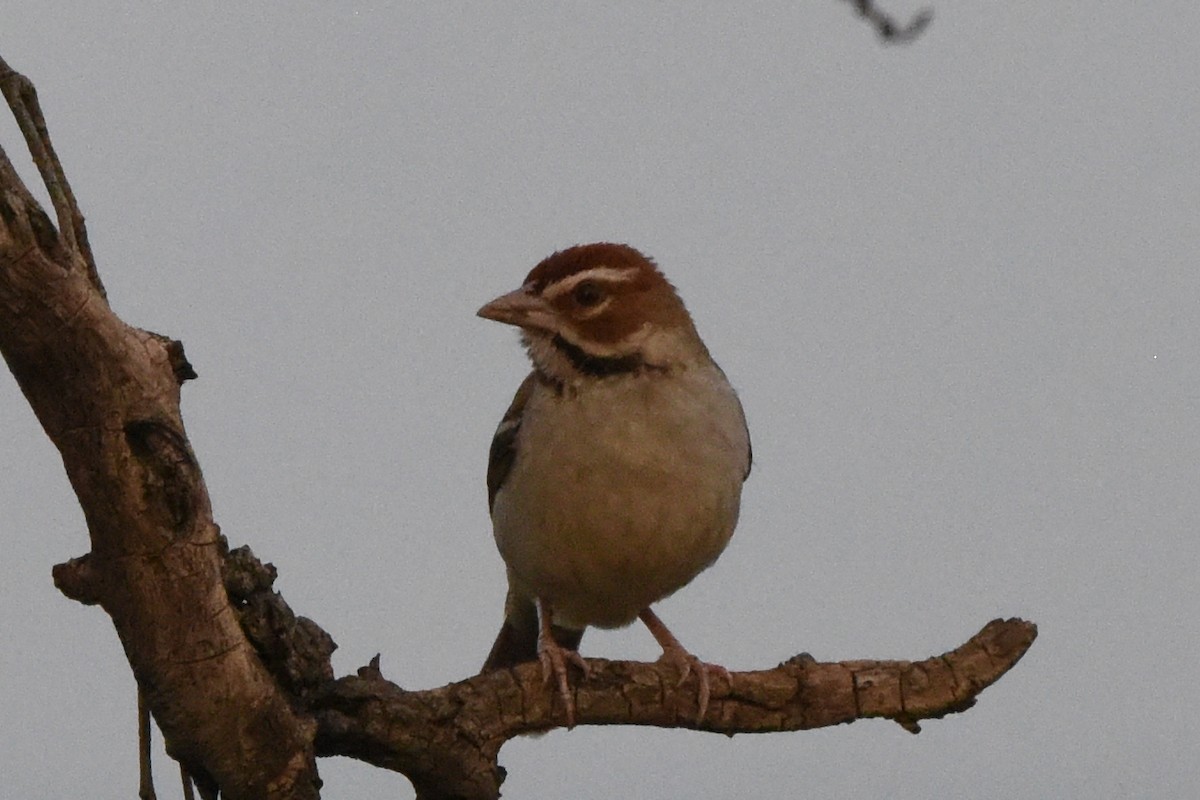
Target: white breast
607, 511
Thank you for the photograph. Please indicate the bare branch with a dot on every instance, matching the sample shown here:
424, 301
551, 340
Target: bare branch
446, 740
145, 774
107, 395
22, 100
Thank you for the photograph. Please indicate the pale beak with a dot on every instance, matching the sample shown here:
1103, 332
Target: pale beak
522, 309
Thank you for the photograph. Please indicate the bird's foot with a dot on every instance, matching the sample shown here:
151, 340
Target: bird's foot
687, 663
554, 658
676, 654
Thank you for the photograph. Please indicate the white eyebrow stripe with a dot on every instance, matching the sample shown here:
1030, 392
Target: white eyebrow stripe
601, 274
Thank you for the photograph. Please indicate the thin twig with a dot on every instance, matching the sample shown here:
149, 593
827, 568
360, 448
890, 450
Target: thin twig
886, 26
146, 778
186, 777
22, 99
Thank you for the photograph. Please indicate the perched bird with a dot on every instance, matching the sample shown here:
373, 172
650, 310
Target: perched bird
616, 475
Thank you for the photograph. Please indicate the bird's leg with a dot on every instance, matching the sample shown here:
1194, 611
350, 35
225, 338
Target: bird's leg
554, 658
675, 653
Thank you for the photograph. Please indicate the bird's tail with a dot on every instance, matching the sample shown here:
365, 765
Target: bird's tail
518, 638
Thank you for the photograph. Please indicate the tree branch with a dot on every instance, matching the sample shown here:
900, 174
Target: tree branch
107, 395
887, 27
22, 100
447, 740
369, 718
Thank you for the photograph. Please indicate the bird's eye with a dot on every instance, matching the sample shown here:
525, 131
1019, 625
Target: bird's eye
587, 294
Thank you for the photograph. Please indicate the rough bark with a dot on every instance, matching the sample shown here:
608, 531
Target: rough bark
446, 740
241, 687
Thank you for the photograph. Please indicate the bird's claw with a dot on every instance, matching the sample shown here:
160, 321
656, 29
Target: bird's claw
554, 659
687, 663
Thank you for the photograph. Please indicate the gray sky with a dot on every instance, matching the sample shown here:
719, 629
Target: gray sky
954, 283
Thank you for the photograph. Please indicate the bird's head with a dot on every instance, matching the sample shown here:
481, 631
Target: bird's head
598, 310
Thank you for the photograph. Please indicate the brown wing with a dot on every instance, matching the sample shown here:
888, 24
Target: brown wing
504, 443
749, 456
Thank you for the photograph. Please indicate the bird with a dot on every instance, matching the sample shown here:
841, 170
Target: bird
615, 476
